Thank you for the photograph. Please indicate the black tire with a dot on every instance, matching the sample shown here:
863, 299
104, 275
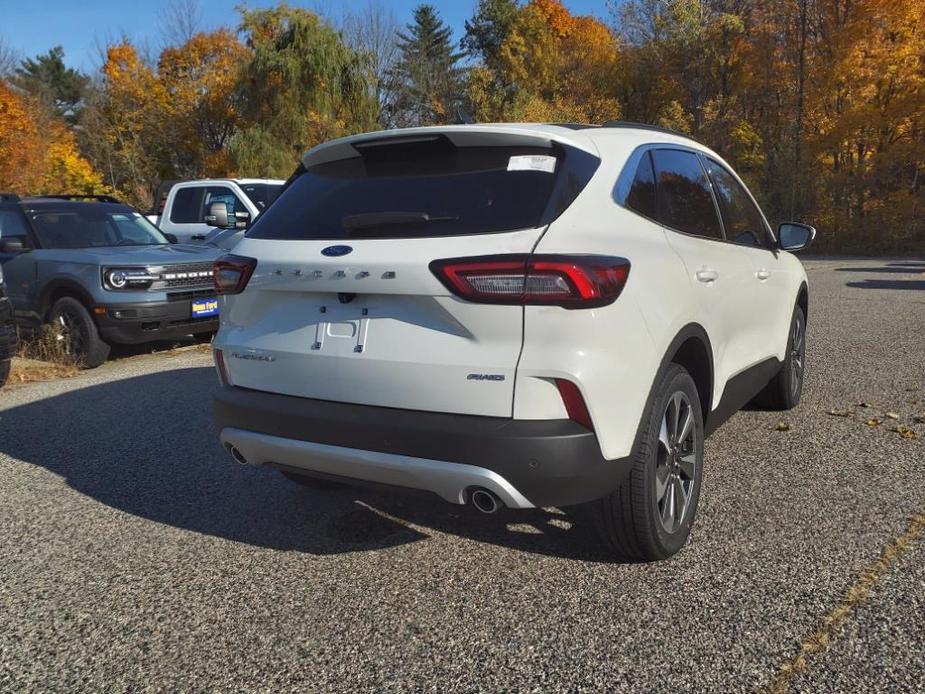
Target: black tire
312, 482
4, 372
77, 332
639, 520
784, 390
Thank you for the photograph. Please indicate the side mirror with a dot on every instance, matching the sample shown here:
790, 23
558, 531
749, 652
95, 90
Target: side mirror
792, 236
12, 246
171, 238
218, 215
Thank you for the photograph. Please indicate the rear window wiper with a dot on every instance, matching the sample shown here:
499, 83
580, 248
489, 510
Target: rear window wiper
368, 220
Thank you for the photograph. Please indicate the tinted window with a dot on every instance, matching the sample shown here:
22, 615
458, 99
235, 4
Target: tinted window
684, 199
262, 194
12, 225
187, 206
641, 197
427, 188
741, 218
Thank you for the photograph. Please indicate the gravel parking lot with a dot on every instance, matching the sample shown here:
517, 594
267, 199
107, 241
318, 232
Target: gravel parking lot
134, 554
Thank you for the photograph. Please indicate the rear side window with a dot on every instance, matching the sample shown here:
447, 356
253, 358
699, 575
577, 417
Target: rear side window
187, 205
741, 218
262, 194
641, 197
428, 188
685, 201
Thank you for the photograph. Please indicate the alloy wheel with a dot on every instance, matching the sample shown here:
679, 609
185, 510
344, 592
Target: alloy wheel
797, 355
676, 466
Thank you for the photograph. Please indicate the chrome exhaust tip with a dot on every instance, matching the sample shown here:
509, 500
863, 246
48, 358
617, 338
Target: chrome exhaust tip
485, 501
236, 454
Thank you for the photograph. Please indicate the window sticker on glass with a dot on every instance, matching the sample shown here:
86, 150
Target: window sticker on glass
532, 162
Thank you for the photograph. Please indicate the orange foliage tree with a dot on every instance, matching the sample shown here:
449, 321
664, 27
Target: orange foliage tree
38, 153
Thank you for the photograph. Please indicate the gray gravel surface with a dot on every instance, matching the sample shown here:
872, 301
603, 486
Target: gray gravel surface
135, 555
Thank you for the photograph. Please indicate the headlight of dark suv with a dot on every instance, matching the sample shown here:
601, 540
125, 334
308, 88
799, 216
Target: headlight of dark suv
128, 278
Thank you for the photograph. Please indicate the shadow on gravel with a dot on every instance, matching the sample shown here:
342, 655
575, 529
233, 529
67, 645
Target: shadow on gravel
146, 446
887, 284
887, 269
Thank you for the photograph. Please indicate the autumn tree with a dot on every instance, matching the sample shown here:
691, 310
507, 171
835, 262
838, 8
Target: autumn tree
542, 63
302, 86
37, 154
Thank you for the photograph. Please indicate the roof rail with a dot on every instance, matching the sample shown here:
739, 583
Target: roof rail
98, 198
643, 126
9, 197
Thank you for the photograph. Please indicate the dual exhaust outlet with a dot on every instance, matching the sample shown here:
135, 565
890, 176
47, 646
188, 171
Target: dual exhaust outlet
482, 499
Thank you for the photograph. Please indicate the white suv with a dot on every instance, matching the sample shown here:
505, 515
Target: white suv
510, 315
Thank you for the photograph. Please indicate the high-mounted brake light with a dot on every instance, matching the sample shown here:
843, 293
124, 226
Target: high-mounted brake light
570, 281
230, 273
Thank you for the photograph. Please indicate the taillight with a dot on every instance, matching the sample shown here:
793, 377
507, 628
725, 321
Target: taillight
574, 403
570, 281
230, 273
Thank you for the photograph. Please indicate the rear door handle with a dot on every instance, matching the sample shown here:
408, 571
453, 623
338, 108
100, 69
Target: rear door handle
762, 274
707, 275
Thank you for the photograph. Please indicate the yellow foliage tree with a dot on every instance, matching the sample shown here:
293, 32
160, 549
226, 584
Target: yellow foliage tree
38, 153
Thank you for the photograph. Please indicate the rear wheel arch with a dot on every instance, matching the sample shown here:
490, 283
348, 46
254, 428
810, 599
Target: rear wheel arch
691, 349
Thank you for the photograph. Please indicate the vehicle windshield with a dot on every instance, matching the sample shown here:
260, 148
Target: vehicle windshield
92, 227
262, 194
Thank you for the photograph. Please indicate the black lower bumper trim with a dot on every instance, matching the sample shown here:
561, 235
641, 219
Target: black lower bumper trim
550, 462
144, 322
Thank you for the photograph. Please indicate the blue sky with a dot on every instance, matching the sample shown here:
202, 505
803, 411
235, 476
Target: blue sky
32, 27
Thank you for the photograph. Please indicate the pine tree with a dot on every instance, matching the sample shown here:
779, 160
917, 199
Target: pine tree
427, 79
47, 79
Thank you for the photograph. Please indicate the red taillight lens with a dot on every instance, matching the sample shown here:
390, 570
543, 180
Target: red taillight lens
571, 281
574, 403
230, 273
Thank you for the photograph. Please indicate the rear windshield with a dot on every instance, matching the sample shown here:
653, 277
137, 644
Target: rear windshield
428, 188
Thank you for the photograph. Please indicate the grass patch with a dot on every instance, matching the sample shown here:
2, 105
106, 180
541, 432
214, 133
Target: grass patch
42, 358
33, 370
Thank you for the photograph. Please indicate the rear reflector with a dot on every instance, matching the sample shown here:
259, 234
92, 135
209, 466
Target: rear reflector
570, 281
230, 273
574, 403
220, 367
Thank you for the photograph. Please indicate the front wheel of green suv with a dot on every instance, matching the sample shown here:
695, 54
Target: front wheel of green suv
74, 334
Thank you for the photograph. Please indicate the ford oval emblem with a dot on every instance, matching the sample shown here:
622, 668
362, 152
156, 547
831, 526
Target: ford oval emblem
336, 251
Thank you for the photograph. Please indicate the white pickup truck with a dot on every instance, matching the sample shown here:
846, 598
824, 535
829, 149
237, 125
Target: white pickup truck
186, 205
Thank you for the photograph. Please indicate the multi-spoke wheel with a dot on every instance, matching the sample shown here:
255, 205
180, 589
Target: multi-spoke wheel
650, 515
75, 334
676, 461
784, 390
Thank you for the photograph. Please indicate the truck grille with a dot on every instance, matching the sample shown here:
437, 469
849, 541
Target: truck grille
188, 275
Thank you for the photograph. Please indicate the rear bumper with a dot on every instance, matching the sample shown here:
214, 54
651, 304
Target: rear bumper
525, 462
155, 320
